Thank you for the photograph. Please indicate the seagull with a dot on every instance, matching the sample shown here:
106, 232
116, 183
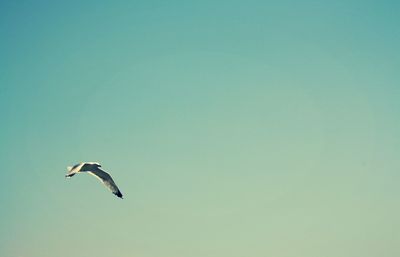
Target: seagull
93, 169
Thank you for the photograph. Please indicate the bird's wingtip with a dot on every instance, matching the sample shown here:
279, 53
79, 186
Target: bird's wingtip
119, 194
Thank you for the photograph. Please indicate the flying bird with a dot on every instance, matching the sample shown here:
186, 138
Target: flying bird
93, 169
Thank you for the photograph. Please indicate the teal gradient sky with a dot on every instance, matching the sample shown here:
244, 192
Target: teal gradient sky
233, 128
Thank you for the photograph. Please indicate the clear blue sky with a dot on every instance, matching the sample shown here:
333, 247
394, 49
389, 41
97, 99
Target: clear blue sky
233, 128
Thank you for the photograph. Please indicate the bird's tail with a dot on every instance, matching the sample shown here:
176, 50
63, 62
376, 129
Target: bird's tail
69, 168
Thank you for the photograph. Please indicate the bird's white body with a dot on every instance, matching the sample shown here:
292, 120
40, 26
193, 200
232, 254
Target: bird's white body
93, 169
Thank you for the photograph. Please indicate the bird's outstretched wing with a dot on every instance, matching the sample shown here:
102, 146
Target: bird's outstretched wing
107, 180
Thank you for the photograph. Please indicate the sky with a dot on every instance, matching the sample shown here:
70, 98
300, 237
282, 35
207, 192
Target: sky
233, 128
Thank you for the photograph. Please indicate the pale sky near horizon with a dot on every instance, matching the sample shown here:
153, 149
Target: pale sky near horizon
233, 128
